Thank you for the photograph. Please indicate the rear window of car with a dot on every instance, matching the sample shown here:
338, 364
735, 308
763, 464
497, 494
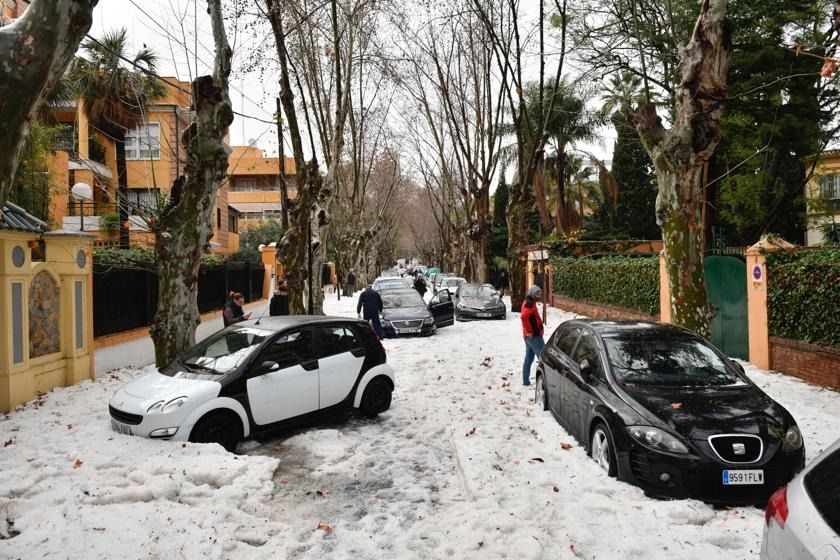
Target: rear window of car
823, 485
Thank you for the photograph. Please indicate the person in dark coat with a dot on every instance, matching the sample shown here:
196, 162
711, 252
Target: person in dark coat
232, 312
371, 303
351, 283
279, 304
420, 284
502, 283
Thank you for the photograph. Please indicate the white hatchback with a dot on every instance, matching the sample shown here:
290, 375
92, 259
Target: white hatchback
802, 519
256, 376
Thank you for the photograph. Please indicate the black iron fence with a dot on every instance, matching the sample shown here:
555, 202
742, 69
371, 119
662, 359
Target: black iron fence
126, 298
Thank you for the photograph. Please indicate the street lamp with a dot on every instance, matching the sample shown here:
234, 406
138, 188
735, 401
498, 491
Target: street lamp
82, 192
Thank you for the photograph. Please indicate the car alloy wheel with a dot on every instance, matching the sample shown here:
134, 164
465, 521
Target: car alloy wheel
376, 398
602, 449
540, 395
218, 427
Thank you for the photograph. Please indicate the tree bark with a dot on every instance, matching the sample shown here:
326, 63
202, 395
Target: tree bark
679, 156
34, 52
185, 226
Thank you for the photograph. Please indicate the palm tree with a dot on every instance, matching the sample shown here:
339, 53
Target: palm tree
116, 90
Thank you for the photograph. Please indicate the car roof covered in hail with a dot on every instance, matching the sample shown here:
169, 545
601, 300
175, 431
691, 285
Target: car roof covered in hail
278, 323
628, 327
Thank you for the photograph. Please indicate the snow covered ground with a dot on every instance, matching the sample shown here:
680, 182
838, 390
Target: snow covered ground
462, 466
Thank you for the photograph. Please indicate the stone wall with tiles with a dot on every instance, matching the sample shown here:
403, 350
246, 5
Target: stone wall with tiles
44, 315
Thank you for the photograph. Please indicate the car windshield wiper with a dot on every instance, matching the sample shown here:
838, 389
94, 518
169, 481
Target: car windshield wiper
201, 367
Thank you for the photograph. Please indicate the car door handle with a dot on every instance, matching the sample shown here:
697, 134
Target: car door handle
309, 365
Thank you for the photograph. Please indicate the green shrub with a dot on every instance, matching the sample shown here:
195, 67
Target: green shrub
621, 281
139, 257
803, 296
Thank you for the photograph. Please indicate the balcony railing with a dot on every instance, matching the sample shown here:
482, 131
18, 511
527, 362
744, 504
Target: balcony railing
90, 208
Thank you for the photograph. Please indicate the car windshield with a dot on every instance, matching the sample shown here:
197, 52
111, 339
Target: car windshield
220, 353
396, 300
483, 292
655, 360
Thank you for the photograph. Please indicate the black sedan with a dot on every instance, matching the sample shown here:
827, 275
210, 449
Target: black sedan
405, 313
659, 407
479, 301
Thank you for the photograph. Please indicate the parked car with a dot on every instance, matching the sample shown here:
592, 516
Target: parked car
430, 272
438, 284
453, 284
405, 313
479, 301
388, 282
659, 407
256, 376
802, 519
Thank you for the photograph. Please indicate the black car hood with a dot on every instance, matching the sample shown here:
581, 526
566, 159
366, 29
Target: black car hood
405, 313
698, 412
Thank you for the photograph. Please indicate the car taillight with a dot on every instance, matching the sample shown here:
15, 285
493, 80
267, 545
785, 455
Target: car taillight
777, 507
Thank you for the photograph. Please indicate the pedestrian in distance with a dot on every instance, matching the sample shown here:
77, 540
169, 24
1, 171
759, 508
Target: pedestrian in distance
369, 308
420, 284
351, 283
279, 304
232, 312
532, 331
502, 283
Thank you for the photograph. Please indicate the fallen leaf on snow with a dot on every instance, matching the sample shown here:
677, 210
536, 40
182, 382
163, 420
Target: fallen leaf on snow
78, 464
99, 528
69, 426
471, 432
538, 459
556, 489
324, 527
8, 442
566, 446
320, 493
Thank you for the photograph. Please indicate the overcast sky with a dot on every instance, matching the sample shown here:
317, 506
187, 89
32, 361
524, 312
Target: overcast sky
162, 26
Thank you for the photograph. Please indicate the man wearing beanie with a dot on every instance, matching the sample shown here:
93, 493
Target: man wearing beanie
532, 329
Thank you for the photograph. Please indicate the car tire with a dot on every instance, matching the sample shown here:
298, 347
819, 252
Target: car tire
540, 394
376, 398
601, 449
223, 428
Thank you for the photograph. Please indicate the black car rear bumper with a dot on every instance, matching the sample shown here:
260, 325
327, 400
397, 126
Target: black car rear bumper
474, 314
701, 477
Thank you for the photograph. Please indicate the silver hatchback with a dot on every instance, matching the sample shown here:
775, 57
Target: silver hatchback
802, 519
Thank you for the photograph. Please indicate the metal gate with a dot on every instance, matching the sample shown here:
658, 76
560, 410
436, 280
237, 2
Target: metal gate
726, 285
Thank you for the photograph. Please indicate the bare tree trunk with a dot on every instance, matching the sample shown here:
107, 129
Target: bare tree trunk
185, 226
680, 154
34, 52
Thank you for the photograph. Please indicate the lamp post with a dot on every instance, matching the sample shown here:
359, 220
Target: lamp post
82, 192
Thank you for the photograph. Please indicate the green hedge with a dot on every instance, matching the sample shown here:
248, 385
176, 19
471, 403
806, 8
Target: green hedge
138, 257
803, 296
622, 281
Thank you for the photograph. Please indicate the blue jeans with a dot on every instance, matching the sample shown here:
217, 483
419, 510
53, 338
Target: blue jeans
533, 347
377, 325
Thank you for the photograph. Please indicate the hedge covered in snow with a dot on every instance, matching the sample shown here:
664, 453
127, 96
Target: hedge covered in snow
621, 281
803, 291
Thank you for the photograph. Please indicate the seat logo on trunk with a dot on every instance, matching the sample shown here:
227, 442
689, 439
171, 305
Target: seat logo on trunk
739, 449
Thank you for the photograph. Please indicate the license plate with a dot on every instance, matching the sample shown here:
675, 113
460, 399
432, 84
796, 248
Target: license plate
731, 478
483, 314
120, 428
409, 330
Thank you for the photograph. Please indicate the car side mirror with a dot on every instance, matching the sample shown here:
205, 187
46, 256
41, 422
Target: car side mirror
585, 369
268, 366
738, 366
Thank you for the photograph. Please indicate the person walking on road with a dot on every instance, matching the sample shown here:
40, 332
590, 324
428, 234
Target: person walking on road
420, 284
532, 330
279, 304
371, 303
502, 283
351, 283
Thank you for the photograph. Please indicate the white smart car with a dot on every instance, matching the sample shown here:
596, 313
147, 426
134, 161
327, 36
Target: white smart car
255, 376
802, 519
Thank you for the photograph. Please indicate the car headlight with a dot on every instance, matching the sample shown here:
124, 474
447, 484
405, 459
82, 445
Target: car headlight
793, 440
164, 407
385, 322
155, 407
656, 439
428, 320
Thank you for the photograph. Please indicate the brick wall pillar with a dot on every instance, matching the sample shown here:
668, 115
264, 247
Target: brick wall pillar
759, 333
664, 291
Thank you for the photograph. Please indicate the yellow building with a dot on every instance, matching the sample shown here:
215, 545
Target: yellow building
253, 186
154, 158
822, 194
